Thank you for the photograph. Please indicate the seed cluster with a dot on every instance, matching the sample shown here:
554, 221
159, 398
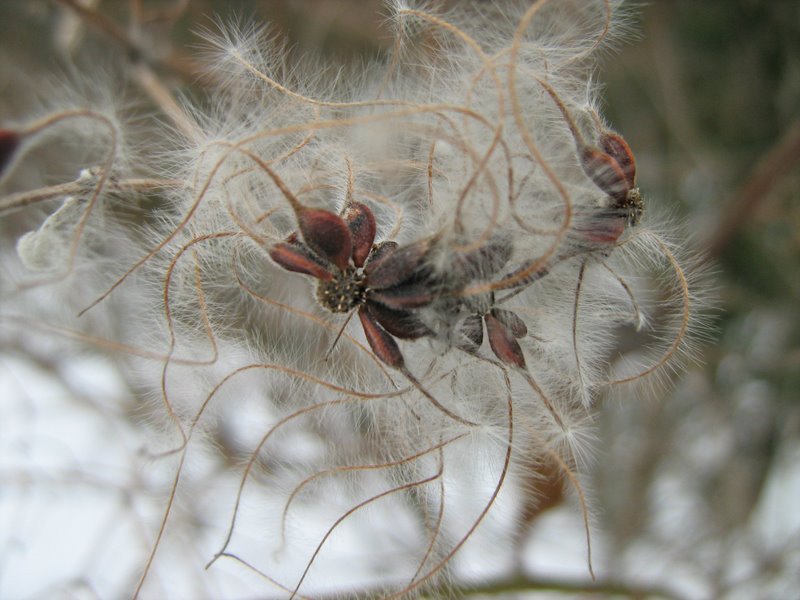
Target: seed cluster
634, 207
343, 292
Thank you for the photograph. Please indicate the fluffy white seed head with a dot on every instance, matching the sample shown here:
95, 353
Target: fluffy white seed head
478, 136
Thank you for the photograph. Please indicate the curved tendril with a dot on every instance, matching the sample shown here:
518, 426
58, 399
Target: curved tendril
347, 469
261, 573
357, 507
637, 311
493, 497
354, 397
498, 129
527, 138
171, 328
682, 329
437, 526
584, 505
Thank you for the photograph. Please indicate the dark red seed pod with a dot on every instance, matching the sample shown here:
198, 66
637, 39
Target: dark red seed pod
327, 235
492, 256
470, 334
617, 148
606, 173
503, 344
381, 251
604, 228
361, 221
512, 321
383, 345
396, 267
299, 259
402, 324
483, 262
9, 143
414, 295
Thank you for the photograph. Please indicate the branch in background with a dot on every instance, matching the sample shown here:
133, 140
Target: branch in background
770, 170
137, 52
564, 586
20, 200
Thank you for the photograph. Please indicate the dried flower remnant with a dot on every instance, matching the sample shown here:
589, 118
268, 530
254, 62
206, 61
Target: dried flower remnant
9, 142
422, 194
381, 281
612, 167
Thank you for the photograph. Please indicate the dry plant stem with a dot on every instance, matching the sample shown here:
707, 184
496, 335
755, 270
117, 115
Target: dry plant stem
103, 24
20, 200
105, 171
760, 182
519, 584
570, 589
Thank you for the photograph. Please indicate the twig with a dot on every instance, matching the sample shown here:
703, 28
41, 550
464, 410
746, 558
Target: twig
521, 583
769, 171
608, 587
154, 88
136, 50
20, 200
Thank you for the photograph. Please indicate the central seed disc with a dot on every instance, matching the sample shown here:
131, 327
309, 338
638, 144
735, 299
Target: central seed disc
342, 293
634, 205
